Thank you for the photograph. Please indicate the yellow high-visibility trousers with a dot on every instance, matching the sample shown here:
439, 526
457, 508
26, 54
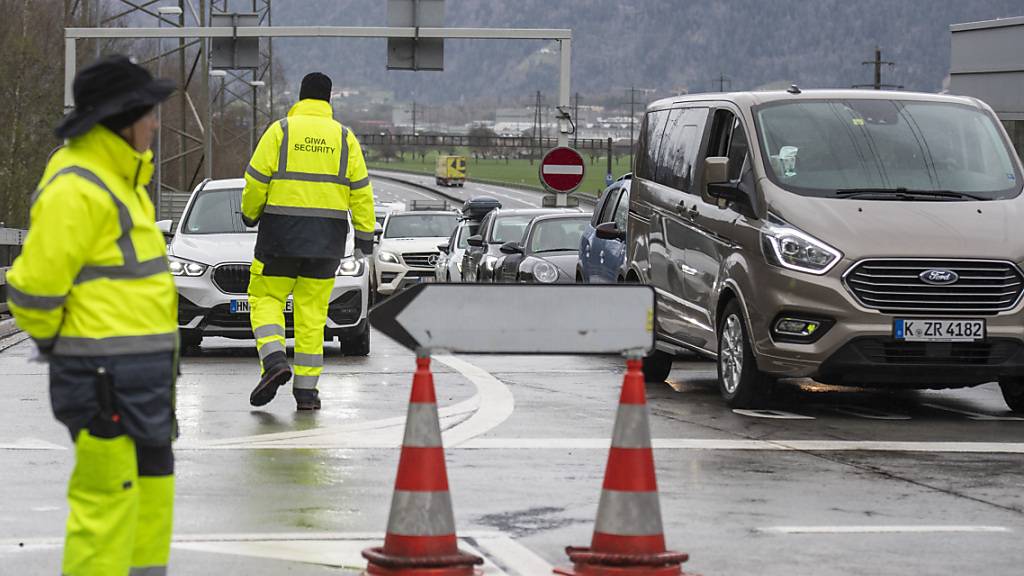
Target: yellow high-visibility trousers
309, 282
121, 512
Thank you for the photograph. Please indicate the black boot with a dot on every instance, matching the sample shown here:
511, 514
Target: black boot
307, 399
276, 373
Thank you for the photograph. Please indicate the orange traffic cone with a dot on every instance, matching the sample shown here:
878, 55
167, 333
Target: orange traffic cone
628, 537
421, 537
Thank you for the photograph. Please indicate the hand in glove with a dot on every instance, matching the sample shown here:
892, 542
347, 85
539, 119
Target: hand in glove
38, 355
364, 248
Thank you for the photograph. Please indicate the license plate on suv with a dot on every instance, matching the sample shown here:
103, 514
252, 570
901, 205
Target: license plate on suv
932, 330
242, 307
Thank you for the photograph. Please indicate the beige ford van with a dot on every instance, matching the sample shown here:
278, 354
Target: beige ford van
854, 237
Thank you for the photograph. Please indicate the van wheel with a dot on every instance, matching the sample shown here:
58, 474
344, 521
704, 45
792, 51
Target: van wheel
657, 366
1013, 393
741, 384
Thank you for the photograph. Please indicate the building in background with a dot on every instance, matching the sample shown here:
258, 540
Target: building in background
987, 62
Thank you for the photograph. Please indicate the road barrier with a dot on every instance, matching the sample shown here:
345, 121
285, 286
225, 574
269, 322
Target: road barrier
421, 538
11, 240
628, 537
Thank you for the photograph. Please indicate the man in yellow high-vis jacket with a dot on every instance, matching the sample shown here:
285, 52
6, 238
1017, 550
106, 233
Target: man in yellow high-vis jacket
305, 185
92, 288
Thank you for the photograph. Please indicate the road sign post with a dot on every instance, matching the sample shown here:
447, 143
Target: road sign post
561, 171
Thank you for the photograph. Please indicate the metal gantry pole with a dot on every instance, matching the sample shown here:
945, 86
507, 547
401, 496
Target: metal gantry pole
204, 83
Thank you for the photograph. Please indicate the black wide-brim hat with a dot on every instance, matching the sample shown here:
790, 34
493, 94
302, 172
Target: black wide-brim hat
107, 88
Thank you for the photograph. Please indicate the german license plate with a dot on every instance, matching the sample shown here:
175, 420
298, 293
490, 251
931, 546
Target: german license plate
929, 330
242, 307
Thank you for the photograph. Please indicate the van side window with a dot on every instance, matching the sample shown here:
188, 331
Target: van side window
649, 143
680, 147
730, 140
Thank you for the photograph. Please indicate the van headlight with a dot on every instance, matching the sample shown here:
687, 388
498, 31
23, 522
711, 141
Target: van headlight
387, 257
796, 250
351, 266
182, 267
545, 272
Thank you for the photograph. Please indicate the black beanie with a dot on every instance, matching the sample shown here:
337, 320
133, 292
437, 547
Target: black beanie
118, 122
317, 86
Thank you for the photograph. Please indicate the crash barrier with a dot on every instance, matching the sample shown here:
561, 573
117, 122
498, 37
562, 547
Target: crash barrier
11, 240
628, 537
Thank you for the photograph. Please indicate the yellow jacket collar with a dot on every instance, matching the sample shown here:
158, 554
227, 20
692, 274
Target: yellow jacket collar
312, 107
113, 153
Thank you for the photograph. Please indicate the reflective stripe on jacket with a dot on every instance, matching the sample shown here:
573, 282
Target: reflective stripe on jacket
305, 178
92, 277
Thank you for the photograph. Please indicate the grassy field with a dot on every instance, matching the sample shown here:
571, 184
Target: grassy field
517, 172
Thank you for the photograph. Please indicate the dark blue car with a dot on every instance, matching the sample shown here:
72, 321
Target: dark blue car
603, 246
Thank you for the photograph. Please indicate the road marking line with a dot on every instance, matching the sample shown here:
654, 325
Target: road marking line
500, 552
772, 414
496, 402
869, 413
878, 529
30, 444
973, 415
740, 444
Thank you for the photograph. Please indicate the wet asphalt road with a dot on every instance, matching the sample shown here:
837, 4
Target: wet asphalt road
830, 481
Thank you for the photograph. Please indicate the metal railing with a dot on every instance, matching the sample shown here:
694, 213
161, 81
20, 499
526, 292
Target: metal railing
11, 240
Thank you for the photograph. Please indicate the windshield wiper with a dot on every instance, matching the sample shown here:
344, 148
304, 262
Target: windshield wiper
904, 194
555, 250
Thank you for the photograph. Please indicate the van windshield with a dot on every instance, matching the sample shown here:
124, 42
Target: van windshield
835, 147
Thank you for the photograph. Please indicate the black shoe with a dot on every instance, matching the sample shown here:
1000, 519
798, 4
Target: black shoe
274, 376
307, 399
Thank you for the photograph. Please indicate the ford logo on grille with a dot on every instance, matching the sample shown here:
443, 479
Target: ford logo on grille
939, 277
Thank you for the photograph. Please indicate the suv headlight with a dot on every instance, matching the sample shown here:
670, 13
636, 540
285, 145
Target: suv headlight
545, 272
351, 266
182, 267
790, 248
387, 257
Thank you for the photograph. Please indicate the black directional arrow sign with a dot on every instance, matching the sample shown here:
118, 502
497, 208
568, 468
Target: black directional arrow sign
520, 319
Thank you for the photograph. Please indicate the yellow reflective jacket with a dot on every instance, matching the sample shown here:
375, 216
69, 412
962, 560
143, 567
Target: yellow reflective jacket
92, 278
305, 177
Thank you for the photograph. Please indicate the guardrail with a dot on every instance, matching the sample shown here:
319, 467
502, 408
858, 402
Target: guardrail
11, 240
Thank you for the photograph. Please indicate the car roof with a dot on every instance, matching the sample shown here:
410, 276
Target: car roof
561, 216
222, 184
533, 211
749, 99
424, 213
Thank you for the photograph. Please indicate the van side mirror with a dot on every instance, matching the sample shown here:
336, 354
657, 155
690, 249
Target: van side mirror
476, 241
716, 181
165, 227
511, 248
443, 247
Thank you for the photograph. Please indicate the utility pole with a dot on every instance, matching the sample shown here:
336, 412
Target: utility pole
576, 120
877, 63
722, 80
414, 118
538, 123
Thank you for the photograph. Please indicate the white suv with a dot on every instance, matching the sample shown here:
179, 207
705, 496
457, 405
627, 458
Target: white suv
210, 255
408, 249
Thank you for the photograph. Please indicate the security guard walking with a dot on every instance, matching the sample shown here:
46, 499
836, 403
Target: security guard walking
93, 290
305, 185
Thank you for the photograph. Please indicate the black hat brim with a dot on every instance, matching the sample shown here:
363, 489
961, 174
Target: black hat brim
79, 121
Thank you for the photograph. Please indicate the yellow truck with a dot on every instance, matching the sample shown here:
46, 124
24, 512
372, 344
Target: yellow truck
450, 171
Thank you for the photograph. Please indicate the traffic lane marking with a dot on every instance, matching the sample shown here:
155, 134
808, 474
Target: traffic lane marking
502, 555
880, 529
772, 414
971, 415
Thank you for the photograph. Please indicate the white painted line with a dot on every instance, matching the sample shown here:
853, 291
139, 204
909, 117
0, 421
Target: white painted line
496, 402
869, 413
739, 444
973, 415
878, 529
30, 444
502, 555
772, 414
562, 169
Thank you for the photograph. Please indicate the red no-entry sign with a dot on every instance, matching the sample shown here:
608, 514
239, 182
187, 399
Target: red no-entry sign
561, 170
